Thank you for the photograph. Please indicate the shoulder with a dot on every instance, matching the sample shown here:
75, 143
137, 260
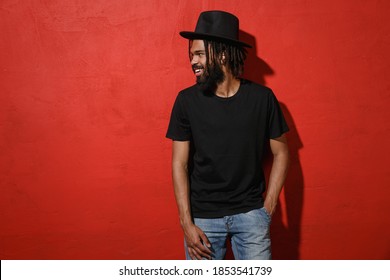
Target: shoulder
256, 90
188, 92
188, 96
185, 97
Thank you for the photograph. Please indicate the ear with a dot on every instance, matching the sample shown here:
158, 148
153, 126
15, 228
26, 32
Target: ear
222, 58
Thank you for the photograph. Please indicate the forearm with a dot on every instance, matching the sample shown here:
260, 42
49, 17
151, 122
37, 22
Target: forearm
276, 180
182, 192
197, 242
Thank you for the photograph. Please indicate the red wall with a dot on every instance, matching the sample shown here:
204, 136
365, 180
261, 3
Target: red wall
86, 93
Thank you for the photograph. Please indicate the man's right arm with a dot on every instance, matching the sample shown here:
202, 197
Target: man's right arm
195, 238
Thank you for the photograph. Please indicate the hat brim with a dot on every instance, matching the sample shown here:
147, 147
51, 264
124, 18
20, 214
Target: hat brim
195, 35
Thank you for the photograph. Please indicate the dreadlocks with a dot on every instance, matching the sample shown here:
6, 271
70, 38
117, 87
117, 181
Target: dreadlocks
234, 56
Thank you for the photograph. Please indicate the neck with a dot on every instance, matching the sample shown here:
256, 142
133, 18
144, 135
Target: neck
228, 87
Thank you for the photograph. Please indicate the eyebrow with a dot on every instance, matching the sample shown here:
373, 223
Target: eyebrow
198, 51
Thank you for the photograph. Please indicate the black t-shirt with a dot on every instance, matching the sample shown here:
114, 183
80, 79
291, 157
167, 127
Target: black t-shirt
228, 136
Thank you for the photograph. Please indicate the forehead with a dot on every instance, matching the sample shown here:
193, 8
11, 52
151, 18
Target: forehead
197, 45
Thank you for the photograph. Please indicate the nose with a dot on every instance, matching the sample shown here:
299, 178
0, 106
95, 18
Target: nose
194, 59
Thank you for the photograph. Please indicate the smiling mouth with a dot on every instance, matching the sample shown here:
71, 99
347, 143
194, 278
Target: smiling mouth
198, 70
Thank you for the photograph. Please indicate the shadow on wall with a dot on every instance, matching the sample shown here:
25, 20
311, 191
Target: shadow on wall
286, 222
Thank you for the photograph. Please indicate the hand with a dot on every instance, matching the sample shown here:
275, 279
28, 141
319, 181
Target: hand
197, 242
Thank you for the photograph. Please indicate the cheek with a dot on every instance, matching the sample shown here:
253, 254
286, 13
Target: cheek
203, 61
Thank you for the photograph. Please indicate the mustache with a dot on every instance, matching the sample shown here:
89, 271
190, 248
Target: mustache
196, 67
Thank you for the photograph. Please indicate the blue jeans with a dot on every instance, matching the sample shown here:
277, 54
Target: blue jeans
249, 233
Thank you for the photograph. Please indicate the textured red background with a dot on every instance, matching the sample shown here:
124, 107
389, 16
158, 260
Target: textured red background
86, 93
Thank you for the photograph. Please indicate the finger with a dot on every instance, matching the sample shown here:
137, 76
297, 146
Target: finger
198, 251
194, 254
203, 251
205, 240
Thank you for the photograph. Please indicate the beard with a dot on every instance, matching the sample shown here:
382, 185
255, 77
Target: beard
210, 79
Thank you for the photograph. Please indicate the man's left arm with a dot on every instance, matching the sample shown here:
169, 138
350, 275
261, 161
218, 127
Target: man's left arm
278, 174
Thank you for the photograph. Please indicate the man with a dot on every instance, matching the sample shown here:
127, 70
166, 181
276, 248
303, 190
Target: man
225, 122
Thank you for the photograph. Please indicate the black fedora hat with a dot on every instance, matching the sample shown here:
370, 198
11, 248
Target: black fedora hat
216, 26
